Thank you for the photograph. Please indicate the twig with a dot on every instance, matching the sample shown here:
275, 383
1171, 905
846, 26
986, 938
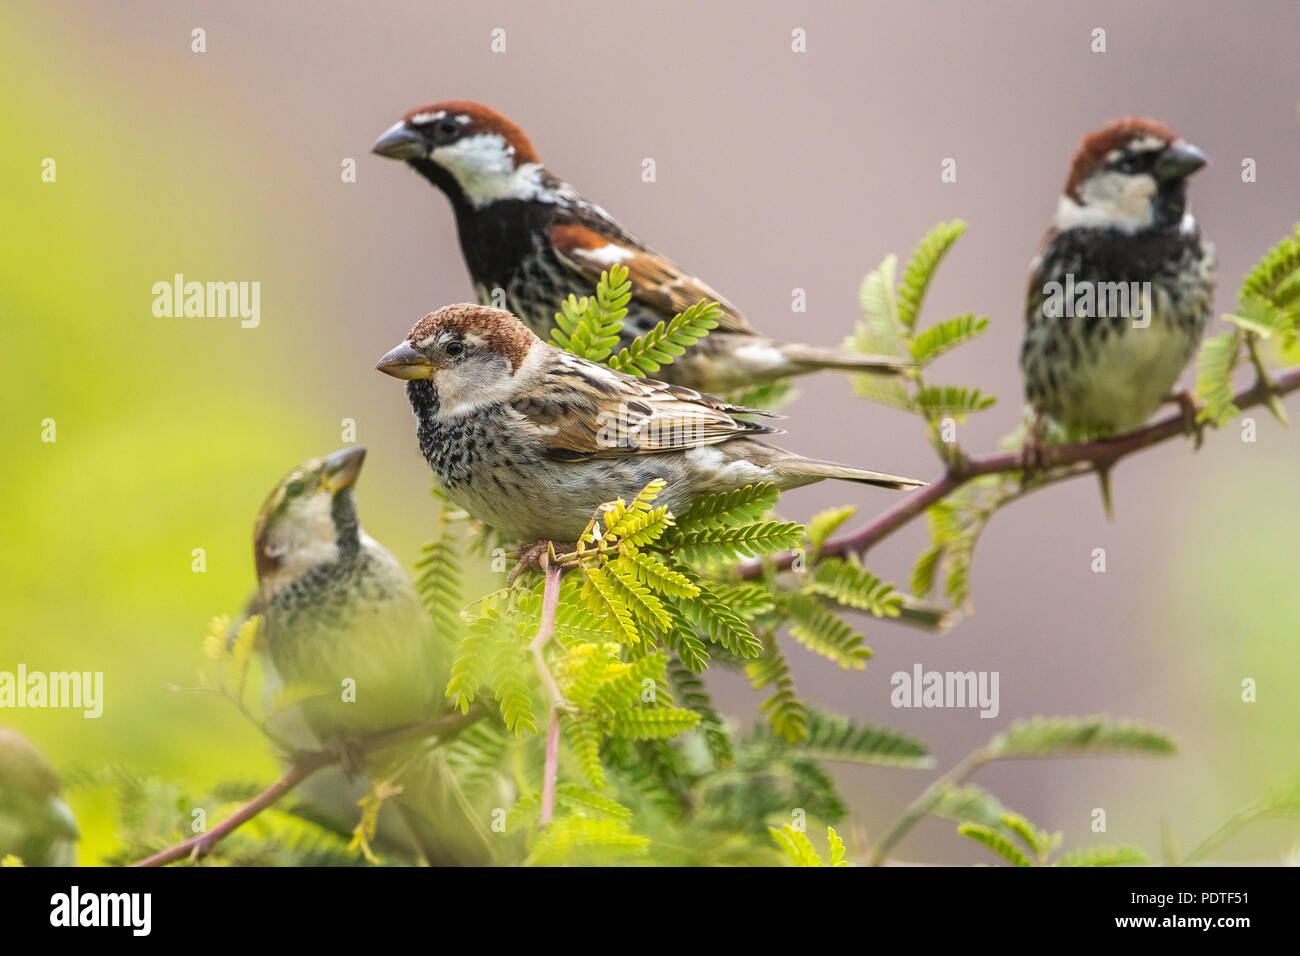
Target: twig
1229, 828
262, 726
552, 768
1102, 453
545, 632
304, 765
919, 808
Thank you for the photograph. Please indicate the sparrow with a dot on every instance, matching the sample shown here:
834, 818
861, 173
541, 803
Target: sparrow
343, 627
530, 240
36, 826
531, 440
1123, 285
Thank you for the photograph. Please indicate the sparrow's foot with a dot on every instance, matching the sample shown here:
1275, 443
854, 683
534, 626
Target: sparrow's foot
1191, 426
530, 555
534, 556
349, 756
1033, 454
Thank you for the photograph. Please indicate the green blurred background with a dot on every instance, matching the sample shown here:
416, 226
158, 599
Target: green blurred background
774, 173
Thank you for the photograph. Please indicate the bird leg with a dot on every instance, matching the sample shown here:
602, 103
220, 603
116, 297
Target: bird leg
349, 756
1033, 456
531, 555
1191, 426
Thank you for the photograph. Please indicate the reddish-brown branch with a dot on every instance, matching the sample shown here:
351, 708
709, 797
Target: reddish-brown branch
545, 633
303, 767
1100, 454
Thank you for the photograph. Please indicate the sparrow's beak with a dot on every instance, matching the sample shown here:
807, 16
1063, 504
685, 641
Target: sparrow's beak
399, 142
405, 362
341, 468
59, 816
1179, 161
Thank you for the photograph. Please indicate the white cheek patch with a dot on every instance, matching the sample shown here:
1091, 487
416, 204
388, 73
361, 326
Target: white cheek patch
303, 537
468, 386
1110, 198
484, 167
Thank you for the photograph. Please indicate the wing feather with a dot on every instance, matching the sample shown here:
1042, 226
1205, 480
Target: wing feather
583, 410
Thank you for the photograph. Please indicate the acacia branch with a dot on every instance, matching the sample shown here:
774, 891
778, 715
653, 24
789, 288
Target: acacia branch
545, 633
1100, 455
303, 766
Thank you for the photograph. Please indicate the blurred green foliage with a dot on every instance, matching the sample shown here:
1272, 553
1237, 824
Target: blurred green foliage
160, 449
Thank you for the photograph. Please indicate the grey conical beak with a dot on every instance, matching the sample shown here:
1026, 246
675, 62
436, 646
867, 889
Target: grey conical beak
342, 467
1179, 161
406, 363
399, 141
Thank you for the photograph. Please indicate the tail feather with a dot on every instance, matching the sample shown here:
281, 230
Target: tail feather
812, 358
814, 468
1103, 478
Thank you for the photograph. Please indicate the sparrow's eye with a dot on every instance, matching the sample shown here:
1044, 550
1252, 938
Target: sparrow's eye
455, 348
444, 131
294, 488
1136, 162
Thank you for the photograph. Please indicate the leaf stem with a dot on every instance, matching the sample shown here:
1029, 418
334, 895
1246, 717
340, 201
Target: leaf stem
1223, 833
919, 808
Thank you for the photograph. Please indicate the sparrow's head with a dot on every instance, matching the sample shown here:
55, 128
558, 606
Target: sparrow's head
471, 152
309, 519
1130, 175
472, 354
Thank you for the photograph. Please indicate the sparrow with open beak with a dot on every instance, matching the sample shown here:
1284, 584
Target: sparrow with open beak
344, 628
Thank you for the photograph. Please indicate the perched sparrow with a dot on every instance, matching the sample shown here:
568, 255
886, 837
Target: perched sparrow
1123, 285
529, 234
336, 606
531, 440
36, 826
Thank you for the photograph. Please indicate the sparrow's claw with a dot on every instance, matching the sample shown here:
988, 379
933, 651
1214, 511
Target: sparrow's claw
530, 555
534, 556
1191, 426
349, 756
1033, 455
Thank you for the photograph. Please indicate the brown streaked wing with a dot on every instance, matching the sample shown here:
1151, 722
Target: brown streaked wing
584, 410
